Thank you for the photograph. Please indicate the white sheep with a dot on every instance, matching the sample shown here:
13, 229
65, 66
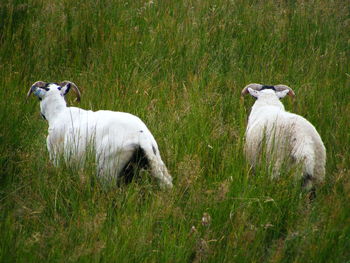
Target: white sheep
117, 139
285, 136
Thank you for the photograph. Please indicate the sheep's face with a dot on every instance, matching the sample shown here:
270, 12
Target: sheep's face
270, 92
44, 90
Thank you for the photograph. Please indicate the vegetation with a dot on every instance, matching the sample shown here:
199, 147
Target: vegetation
180, 66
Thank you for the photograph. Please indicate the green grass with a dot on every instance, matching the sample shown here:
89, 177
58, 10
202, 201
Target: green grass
180, 66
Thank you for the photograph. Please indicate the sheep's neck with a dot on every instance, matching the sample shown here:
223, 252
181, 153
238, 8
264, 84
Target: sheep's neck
268, 102
52, 107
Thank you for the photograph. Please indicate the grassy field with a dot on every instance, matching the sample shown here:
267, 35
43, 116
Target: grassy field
180, 66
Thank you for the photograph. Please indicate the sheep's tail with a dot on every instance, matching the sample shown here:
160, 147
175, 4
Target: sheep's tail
155, 162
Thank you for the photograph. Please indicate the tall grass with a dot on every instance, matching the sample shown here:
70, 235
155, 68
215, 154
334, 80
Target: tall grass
180, 66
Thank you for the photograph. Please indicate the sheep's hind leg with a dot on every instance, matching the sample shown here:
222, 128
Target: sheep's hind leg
131, 168
305, 156
307, 185
111, 167
158, 168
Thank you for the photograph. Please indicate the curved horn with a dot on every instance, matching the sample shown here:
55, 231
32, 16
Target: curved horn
281, 87
75, 88
255, 86
38, 84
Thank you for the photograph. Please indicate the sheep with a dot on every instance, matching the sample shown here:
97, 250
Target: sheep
117, 139
287, 136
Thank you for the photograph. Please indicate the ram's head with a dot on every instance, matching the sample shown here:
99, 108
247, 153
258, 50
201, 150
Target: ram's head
43, 89
255, 89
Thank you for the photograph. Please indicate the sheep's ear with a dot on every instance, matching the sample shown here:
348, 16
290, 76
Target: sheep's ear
65, 88
254, 93
282, 94
67, 85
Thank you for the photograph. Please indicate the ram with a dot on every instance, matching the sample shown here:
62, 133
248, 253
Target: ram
282, 136
119, 140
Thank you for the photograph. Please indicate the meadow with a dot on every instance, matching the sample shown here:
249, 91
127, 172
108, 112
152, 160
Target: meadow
180, 66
